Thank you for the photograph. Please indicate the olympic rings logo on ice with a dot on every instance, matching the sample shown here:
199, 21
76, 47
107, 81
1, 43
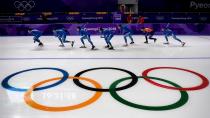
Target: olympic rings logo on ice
24, 5
98, 89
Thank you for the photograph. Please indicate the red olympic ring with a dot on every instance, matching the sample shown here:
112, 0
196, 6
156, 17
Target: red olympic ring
204, 83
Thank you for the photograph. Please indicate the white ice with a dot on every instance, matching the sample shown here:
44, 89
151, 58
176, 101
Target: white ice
20, 53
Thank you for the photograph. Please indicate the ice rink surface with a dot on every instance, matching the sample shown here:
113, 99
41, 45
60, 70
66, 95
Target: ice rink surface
68, 100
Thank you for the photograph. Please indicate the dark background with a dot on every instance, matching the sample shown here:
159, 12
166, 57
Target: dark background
170, 6
7, 6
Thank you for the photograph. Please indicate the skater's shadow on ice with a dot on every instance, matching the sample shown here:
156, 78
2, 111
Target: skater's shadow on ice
117, 50
96, 49
66, 49
177, 46
38, 49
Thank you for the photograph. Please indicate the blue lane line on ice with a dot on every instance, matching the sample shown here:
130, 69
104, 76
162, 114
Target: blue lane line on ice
138, 58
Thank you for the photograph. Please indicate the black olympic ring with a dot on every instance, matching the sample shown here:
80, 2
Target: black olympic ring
132, 83
24, 5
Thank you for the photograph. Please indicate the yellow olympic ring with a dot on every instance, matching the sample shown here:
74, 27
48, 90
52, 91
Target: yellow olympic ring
32, 103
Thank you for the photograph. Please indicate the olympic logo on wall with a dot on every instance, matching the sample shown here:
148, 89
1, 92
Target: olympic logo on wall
113, 89
24, 5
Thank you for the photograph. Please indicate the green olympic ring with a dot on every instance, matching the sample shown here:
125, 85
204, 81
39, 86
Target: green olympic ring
181, 102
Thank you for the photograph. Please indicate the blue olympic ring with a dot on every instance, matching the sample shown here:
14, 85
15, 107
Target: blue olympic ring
6, 85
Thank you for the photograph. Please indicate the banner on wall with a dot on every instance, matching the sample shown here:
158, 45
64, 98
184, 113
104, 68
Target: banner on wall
180, 29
